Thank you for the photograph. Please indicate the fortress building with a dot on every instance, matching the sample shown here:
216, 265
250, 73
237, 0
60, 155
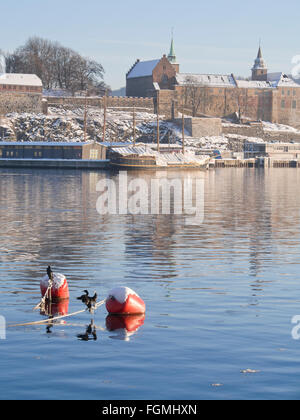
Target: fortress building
145, 77
273, 97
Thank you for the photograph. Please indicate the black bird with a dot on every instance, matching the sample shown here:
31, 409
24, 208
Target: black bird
50, 273
92, 301
89, 301
84, 298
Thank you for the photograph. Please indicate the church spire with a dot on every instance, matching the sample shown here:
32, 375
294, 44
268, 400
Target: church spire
259, 55
259, 70
172, 56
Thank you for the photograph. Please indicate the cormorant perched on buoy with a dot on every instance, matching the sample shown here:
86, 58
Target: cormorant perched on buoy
50, 273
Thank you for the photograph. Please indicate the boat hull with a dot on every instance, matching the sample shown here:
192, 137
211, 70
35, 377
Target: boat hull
115, 165
150, 163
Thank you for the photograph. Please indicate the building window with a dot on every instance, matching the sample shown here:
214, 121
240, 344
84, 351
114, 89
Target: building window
282, 92
283, 103
289, 92
294, 104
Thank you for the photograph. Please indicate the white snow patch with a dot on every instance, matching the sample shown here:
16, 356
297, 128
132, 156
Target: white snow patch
58, 280
121, 293
279, 127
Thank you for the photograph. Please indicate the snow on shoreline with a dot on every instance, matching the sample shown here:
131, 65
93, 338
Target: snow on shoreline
67, 125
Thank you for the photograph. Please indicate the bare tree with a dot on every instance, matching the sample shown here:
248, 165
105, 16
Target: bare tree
2, 62
193, 93
57, 66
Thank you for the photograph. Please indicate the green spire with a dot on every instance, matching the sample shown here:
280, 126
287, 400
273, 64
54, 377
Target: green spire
172, 56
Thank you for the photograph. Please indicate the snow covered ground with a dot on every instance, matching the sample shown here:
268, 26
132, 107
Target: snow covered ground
67, 125
266, 126
279, 127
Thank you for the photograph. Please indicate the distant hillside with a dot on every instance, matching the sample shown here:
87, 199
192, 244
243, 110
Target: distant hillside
119, 92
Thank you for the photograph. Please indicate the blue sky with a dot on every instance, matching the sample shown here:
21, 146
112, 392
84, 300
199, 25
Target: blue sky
210, 36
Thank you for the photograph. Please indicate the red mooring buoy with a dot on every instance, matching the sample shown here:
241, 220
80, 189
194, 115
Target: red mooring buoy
59, 290
124, 301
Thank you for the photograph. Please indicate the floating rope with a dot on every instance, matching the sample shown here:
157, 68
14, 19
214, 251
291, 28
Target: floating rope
50, 320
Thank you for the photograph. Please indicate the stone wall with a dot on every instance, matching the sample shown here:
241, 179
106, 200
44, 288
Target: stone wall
167, 103
146, 104
20, 102
201, 127
222, 102
286, 106
256, 130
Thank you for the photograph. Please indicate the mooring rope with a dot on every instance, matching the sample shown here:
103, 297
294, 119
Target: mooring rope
50, 320
46, 296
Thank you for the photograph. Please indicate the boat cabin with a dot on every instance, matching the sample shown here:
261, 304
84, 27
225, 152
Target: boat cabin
52, 150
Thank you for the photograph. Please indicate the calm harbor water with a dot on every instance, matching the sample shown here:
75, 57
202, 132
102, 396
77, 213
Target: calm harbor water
220, 296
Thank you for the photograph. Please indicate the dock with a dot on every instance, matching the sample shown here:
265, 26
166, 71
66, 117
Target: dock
262, 162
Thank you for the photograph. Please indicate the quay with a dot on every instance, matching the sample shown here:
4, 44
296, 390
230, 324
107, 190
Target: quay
89, 155
261, 162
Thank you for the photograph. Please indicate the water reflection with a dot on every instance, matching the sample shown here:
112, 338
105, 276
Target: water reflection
50, 217
90, 333
241, 263
51, 309
124, 327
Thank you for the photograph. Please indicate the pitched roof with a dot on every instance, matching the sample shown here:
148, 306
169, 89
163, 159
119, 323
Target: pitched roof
142, 69
255, 84
213, 80
20, 79
43, 143
282, 80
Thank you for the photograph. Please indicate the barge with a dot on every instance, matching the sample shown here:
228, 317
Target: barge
64, 155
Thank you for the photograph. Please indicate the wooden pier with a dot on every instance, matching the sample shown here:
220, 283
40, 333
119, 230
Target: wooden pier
234, 163
255, 163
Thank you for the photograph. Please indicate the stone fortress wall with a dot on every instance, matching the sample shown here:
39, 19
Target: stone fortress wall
145, 104
20, 102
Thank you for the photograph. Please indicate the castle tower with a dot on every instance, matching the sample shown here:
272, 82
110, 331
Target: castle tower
172, 57
259, 70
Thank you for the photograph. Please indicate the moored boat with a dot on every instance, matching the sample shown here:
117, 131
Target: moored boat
143, 156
